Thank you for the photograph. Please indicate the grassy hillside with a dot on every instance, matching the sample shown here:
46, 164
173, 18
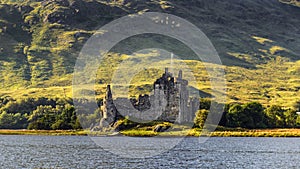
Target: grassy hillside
258, 41
273, 83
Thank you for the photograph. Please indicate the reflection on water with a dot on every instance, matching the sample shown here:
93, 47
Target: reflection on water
82, 152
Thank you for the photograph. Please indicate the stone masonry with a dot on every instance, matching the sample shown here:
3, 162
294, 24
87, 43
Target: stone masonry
170, 100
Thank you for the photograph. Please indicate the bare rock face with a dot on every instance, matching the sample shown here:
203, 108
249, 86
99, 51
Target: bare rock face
161, 128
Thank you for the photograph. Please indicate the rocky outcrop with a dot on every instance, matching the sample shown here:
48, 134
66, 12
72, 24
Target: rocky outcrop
161, 128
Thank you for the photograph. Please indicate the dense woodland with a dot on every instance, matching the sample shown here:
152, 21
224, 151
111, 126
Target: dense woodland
60, 114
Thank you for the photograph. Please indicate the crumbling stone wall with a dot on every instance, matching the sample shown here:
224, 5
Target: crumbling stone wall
170, 100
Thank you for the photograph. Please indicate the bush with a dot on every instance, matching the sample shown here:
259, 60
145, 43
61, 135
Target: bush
201, 116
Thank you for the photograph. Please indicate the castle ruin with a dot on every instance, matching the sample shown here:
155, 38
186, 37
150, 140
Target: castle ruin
169, 101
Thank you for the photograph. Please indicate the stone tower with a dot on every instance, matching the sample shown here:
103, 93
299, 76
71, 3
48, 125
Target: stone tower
183, 97
109, 116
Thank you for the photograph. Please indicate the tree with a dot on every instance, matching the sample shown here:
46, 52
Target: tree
42, 118
223, 120
200, 118
205, 104
233, 115
6, 120
290, 118
255, 113
249, 115
12, 121
275, 115
297, 105
67, 119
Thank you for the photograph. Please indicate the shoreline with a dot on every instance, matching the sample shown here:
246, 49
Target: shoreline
140, 133
43, 132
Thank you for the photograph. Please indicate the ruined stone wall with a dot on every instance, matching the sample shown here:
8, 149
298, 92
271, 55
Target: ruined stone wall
170, 100
109, 110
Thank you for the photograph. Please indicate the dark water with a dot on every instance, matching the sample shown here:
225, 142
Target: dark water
82, 152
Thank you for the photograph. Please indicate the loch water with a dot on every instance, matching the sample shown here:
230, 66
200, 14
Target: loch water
83, 152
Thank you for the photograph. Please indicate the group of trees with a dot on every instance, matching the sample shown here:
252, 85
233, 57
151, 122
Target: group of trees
41, 113
60, 114
251, 115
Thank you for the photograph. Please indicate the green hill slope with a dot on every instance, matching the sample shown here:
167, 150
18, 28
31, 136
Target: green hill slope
40, 41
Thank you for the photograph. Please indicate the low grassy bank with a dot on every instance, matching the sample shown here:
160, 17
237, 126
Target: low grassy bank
143, 133
229, 133
44, 132
259, 133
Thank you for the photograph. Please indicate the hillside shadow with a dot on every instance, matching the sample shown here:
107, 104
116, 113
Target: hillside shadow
196, 92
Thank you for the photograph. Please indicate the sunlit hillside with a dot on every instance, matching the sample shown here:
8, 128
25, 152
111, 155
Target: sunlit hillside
259, 48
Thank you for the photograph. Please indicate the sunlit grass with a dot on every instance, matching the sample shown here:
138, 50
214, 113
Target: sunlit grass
291, 2
258, 133
261, 40
275, 49
43, 132
146, 133
274, 83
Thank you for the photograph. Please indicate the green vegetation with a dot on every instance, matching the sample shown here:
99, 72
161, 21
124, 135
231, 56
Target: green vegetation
139, 133
40, 41
44, 132
226, 132
40, 114
253, 116
273, 83
59, 114
258, 133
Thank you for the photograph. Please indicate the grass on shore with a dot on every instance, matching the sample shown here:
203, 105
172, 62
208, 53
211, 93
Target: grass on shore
142, 133
259, 133
226, 133
43, 132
